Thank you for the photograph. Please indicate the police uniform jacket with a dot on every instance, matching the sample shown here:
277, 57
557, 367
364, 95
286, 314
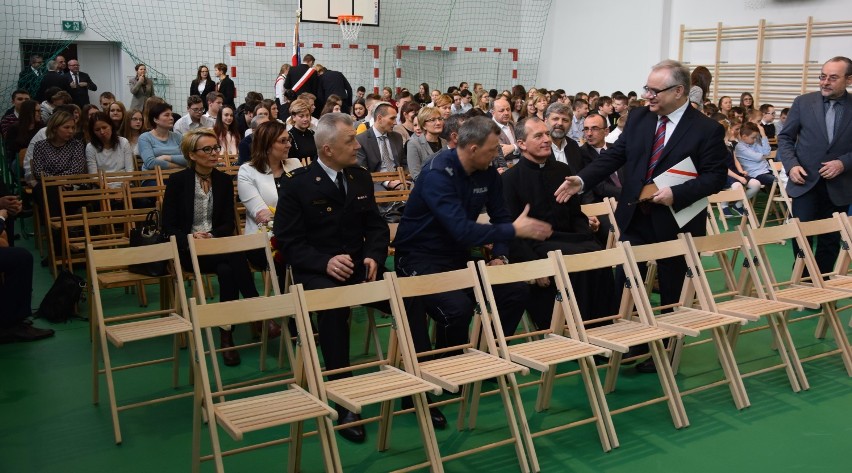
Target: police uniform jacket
313, 222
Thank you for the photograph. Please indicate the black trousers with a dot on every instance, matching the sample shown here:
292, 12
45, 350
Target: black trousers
453, 311
232, 271
16, 289
815, 205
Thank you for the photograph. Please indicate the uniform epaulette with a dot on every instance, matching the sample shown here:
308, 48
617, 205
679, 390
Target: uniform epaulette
296, 172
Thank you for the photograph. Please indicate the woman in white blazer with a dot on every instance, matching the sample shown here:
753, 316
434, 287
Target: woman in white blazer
423, 147
259, 179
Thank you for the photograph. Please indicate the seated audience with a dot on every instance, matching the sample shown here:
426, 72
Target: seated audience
106, 150
301, 134
422, 148
160, 147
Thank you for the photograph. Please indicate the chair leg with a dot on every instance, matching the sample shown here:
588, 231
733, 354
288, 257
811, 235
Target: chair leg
729, 367
669, 385
427, 433
612, 372
832, 320
782, 339
520, 438
597, 401
197, 425
294, 457
328, 443
545, 390
677, 350
385, 420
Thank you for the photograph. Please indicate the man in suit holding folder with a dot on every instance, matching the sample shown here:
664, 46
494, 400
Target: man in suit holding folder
656, 138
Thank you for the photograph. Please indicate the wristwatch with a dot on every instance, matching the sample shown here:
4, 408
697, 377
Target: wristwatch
502, 258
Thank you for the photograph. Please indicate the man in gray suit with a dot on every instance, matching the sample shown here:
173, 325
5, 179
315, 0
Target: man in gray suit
381, 147
815, 146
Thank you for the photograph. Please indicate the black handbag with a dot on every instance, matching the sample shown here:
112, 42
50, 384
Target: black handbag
60, 303
149, 234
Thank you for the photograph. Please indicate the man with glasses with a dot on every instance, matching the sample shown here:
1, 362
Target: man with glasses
501, 113
595, 133
194, 117
79, 84
655, 138
767, 119
815, 146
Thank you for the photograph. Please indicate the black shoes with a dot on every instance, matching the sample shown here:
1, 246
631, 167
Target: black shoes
226, 340
24, 332
438, 419
356, 433
647, 366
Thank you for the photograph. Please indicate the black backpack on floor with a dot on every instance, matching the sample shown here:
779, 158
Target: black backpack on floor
60, 302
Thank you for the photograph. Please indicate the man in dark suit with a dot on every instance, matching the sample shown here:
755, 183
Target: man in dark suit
656, 138
381, 147
30, 77
225, 86
79, 84
815, 146
311, 83
595, 131
333, 235
52, 78
508, 150
333, 83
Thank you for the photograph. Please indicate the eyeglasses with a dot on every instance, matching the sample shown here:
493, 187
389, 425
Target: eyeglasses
652, 93
196, 110
594, 129
209, 149
831, 78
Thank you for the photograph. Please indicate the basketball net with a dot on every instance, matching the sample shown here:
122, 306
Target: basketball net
350, 26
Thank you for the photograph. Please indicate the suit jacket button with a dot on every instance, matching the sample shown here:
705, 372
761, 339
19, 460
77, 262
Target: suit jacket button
328, 209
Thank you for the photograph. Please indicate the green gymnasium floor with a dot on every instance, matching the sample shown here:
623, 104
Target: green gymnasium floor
49, 424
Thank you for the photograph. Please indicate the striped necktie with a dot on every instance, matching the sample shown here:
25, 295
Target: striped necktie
659, 143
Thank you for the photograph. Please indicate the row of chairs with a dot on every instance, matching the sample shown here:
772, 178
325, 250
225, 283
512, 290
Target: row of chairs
756, 294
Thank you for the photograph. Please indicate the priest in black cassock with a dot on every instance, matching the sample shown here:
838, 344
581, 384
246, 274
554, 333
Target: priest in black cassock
533, 181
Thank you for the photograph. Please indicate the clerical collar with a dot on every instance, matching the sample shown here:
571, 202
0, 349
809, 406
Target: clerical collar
532, 164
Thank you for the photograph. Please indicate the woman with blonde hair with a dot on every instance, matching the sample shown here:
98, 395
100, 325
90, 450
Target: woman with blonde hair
199, 202
116, 112
301, 134
444, 103
482, 101
421, 148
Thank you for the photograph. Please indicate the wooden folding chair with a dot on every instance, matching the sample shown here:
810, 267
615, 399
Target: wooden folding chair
237, 244
626, 331
605, 208
258, 404
71, 224
729, 196
51, 218
547, 353
380, 381
842, 267
689, 321
777, 200
453, 372
119, 330
814, 296
734, 297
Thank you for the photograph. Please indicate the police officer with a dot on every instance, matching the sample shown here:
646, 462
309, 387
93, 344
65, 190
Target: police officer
331, 233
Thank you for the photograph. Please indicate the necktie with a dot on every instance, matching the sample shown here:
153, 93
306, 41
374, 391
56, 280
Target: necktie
387, 159
76, 80
659, 142
340, 186
615, 179
830, 119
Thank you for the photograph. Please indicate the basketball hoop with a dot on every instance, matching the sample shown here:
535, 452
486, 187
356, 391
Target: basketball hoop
350, 26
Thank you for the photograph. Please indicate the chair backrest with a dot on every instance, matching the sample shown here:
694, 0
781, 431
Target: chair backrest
207, 316
163, 175
512, 273
231, 244
725, 248
733, 195
146, 197
110, 258
605, 208
113, 226
614, 258
133, 178
460, 279
760, 238
72, 223
824, 226
399, 342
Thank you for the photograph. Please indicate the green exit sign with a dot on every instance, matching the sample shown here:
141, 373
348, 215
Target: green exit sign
75, 26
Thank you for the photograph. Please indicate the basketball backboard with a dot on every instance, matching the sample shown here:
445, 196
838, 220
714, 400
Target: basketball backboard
327, 11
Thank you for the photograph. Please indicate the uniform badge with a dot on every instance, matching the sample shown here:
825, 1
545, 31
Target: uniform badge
319, 178
328, 209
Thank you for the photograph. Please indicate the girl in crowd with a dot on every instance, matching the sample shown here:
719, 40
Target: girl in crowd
700, 80
258, 180
530, 108
422, 96
199, 201
540, 104
725, 105
387, 96
519, 109
737, 176
406, 121
132, 128
149, 125
227, 132
160, 147
106, 150
359, 111
302, 137
202, 84
19, 135
141, 87
444, 103
747, 101
89, 111
55, 97
272, 107
423, 147
482, 101
332, 104
116, 114
434, 97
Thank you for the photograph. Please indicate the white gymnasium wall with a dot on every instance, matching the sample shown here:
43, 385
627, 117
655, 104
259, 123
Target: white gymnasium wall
611, 45
174, 36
